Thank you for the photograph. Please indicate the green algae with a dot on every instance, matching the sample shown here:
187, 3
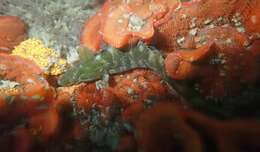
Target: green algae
113, 61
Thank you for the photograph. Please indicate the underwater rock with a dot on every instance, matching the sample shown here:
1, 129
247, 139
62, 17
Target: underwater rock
234, 30
219, 65
45, 125
30, 92
139, 85
120, 23
242, 15
168, 126
162, 128
12, 31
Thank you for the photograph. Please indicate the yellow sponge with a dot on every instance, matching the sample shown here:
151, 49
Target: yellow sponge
46, 58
